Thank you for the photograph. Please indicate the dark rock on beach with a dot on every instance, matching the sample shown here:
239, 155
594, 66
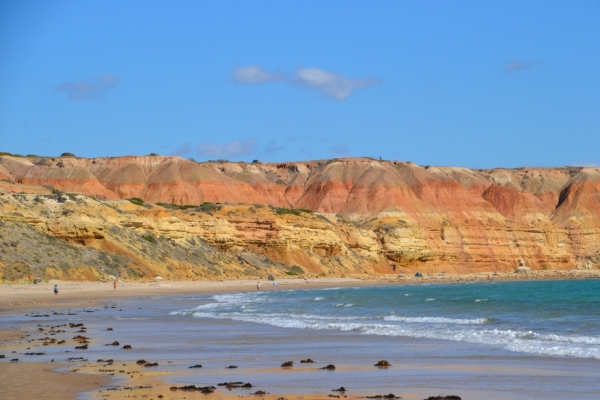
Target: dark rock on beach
235, 385
449, 397
384, 396
141, 362
127, 347
115, 343
151, 365
287, 364
330, 367
341, 389
196, 366
383, 363
232, 366
194, 388
307, 361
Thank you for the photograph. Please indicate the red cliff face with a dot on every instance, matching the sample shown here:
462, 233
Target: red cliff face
401, 215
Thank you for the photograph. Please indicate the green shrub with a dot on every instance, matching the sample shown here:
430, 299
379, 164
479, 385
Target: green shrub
176, 206
295, 270
137, 201
209, 207
149, 238
67, 154
283, 211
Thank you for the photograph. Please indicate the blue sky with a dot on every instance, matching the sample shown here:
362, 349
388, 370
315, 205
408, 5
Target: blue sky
477, 84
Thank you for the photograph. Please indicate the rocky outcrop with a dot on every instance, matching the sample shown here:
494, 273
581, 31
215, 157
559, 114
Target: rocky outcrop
350, 217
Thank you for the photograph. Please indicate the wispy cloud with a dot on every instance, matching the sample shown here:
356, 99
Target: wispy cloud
329, 84
255, 74
92, 88
182, 150
308, 138
306, 153
585, 164
518, 65
237, 148
273, 148
339, 150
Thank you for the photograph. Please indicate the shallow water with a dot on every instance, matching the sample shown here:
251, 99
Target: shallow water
521, 340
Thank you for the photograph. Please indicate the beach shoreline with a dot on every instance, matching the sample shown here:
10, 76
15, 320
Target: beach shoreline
19, 299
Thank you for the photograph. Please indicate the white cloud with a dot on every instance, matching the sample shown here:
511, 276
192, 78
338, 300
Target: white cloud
237, 148
92, 88
331, 84
255, 74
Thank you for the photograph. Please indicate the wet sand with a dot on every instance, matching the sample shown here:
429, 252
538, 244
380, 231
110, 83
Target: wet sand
33, 380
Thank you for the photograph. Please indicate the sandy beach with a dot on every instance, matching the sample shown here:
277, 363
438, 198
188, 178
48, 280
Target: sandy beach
127, 377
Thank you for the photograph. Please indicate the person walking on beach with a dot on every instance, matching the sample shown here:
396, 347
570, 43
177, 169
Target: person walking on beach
258, 285
55, 290
115, 282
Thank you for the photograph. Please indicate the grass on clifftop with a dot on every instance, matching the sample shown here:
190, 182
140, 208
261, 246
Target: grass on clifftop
293, 211
137, 201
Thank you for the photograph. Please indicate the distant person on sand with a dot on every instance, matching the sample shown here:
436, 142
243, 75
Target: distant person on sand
258, 285
275, 284
116, 281
55, 289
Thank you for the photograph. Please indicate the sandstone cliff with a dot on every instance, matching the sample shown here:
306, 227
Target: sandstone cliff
333, 217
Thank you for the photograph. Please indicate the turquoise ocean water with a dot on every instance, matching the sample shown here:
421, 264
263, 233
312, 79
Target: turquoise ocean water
545, 318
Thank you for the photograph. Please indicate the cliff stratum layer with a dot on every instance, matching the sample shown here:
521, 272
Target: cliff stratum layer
71, 218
